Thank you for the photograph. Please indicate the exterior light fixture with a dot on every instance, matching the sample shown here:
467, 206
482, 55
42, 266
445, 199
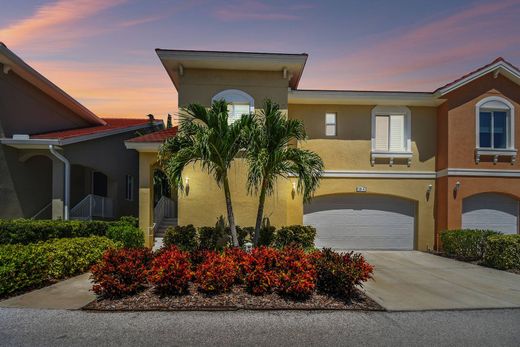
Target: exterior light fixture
457, 186
187, 186
430, 187
293, 191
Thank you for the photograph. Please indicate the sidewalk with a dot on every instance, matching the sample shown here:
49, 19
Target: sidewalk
71, 294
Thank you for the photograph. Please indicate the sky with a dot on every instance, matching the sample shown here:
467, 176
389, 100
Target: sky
101, 52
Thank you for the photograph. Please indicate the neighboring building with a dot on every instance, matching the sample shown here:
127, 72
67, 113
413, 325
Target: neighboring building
399, 166
41, 128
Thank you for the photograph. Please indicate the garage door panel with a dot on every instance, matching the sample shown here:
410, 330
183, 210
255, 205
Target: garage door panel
491, 211
362, 222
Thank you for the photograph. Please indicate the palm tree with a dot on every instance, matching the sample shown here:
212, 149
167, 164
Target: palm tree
206, 137
270, 155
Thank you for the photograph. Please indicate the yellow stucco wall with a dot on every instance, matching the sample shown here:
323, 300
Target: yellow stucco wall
412, 189
205, 201
350, 149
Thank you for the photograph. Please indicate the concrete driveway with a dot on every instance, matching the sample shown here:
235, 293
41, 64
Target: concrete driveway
412, 280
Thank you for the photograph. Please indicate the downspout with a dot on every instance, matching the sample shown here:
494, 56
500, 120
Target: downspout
67, 181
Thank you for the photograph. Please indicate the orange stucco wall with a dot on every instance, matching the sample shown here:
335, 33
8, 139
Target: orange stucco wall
456, 143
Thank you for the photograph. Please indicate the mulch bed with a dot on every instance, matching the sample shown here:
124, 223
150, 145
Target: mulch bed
236, 299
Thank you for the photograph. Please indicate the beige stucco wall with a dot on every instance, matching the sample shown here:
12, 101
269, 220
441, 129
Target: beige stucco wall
205, 201
412, 189
350, 149
199, 86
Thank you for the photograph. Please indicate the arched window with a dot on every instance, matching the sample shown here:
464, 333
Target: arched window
239, 103
495, 123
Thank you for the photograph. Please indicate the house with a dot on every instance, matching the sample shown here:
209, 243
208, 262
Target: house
57, 158
399, 166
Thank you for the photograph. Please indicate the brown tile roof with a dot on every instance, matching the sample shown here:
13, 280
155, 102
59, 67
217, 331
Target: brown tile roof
158, 136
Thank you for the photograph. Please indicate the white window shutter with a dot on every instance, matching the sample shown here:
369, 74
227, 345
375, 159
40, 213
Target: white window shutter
396, 132
382, 133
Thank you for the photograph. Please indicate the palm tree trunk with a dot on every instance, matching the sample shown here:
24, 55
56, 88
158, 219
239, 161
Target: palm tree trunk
260, 213
231, 217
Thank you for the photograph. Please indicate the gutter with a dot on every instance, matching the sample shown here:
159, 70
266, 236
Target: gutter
67, 181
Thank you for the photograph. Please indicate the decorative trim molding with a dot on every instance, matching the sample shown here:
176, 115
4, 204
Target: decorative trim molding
378, 174
478, 173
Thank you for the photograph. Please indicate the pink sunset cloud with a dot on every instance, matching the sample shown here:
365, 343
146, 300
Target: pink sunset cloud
55, 20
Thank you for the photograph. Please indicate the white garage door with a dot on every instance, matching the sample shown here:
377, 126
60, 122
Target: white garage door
490, 211
362, 222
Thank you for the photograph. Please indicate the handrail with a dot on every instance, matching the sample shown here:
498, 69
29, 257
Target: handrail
93, 206
163, 209
42, 210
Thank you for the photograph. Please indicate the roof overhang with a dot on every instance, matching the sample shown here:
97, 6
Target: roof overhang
12, 63
500, 66
44, 143
346, 97
175, 61
146, 147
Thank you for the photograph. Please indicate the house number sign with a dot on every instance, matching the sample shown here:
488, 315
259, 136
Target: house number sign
361, 189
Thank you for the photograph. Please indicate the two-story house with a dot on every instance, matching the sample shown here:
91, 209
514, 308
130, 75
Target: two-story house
399, 166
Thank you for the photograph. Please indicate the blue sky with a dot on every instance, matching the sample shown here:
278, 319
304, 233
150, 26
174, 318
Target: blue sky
102, 51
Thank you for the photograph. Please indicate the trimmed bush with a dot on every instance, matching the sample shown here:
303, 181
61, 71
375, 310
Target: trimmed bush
184, 237
339, 273
295, 236
262, 271
297, 274
27, 231
212, 238
241, 259
121, 272
465, 244
129, 235
28, 266
216, 274
171, 271
503, 252
267, 235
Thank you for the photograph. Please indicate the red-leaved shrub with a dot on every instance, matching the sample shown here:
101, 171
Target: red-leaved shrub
216, 274
339, 273
171, 271
296, 273
241, 259
121, 272
261, 271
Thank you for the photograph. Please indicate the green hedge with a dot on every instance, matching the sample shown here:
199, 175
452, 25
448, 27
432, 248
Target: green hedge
27, 231
26, 266
295, 235
184, 237
130, 236
465, 244
503, 252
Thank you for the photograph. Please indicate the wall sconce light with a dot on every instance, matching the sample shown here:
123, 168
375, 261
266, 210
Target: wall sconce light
457, 186
293, 190
187, 186
430, 187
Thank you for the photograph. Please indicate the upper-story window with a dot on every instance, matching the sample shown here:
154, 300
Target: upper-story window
495, 128
330, 124
239, 103
391, 133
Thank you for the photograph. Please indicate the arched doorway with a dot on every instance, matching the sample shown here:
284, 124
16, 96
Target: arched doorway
362, 221
491, 211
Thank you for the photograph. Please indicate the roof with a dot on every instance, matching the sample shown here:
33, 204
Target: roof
499, 65
158, 136
176, 60
11, 62
111, 124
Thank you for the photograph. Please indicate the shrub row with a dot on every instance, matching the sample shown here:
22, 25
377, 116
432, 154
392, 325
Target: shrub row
217, 238
26, 266
492, 248
290, 271
25, 231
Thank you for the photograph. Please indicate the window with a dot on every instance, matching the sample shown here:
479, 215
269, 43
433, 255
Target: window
330, 124
495, 124
391, 129
129, 184
239, 103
